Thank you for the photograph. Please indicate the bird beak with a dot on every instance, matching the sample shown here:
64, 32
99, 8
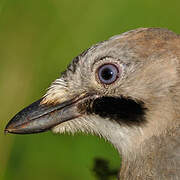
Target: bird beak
39, 118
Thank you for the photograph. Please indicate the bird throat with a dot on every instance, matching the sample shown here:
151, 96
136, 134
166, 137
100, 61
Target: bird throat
122, 110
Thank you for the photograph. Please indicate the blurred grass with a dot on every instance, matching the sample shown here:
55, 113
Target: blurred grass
37, 41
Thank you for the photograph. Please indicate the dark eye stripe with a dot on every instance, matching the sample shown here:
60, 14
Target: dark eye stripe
108, 73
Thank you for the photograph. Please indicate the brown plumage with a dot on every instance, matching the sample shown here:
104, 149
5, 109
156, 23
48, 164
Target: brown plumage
125, 89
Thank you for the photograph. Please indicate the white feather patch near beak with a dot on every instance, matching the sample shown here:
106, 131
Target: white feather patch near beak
56, 93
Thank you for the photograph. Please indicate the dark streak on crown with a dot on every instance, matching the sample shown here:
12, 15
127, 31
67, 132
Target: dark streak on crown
72, 66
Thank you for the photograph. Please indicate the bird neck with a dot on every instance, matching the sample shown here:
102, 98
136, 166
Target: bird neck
157, 158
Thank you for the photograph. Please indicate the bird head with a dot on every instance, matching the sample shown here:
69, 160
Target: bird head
120, 89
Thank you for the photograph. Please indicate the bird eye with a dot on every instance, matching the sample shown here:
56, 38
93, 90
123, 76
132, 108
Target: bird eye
108, 73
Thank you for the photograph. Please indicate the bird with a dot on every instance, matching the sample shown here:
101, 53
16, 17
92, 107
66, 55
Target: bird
125, 89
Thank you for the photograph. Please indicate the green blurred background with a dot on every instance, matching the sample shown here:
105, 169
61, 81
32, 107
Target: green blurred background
38, 38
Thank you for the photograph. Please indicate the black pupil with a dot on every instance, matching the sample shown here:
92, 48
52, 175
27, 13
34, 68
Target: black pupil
107, 73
